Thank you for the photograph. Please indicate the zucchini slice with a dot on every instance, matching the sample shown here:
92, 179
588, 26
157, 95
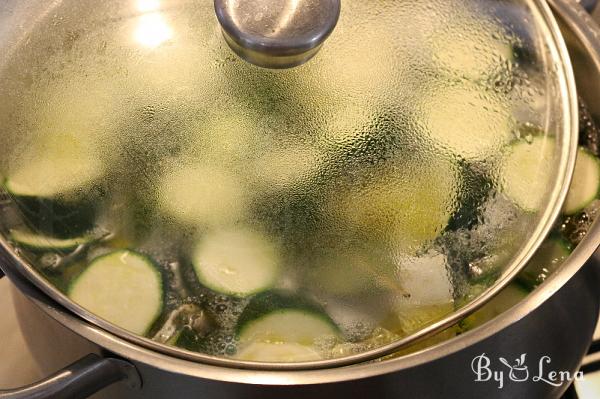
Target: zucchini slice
287, 168
287, 352
275, 317
526, 171
238, 262
467, 121
550, 255
122, 287
58, 166
346, 69
41, 242
202, 195
585, 185
288, 325
55, 182
506, 299
57, 218
347, 272
407, 207
472, 47
227, 139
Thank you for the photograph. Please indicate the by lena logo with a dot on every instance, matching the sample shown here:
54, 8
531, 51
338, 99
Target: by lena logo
518, 371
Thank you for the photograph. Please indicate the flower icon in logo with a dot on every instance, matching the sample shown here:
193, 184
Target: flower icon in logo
519, 371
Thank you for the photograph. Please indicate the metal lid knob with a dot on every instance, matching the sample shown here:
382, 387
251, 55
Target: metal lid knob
277, 33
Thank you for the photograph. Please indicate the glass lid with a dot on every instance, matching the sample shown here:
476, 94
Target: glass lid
190, 201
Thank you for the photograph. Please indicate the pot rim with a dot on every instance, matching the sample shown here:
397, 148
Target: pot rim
140, 353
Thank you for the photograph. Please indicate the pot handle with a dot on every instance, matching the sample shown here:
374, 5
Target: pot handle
79, 380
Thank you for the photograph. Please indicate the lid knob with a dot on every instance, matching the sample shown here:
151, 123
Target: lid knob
277, 33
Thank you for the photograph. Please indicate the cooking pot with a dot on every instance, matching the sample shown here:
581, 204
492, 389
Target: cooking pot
556, 320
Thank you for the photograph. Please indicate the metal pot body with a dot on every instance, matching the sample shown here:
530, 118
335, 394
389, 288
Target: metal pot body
555, 323
561, 329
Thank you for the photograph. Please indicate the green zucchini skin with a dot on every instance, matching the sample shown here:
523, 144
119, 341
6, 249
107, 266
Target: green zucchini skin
57, 217
216, 343
278, 300
59, 196
476, 189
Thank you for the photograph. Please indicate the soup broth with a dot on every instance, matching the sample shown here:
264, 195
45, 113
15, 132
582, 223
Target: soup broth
277, 216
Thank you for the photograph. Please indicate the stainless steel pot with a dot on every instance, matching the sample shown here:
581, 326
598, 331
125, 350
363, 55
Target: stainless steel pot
557, 320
